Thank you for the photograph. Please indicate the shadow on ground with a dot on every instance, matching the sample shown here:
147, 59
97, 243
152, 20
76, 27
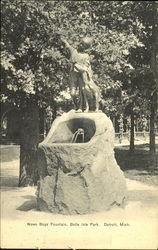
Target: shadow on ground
9, 183
9, 153
140, 165
28, 205
140, 159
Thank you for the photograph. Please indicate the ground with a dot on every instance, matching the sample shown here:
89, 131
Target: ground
139, 228
140, 165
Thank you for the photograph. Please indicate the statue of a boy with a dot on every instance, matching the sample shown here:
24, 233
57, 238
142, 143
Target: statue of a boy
81, 76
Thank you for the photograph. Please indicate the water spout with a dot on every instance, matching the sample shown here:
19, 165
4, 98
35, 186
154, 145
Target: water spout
80, 132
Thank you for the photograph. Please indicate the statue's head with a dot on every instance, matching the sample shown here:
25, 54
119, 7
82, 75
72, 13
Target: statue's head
85, 44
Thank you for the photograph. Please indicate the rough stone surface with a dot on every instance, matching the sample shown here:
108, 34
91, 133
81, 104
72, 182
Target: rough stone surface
79, 178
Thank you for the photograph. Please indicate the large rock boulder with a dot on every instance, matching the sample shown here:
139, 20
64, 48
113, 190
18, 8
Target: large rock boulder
77, 177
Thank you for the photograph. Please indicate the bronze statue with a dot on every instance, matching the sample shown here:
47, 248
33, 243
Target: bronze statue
81, 78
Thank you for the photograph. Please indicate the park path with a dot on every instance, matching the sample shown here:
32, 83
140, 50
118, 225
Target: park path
139, 194
18, 208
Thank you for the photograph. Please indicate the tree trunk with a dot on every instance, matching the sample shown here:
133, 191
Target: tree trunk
154, 68
29, 143
131, 148
152, 125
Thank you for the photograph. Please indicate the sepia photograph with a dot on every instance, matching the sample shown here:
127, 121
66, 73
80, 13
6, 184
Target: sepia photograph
79, 125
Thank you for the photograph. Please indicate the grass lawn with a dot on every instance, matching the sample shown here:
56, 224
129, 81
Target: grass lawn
139, 165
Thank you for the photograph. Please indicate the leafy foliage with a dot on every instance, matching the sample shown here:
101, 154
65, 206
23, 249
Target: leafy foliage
35, 64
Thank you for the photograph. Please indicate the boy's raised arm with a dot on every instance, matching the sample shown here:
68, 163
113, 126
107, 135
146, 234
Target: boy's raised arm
67, 44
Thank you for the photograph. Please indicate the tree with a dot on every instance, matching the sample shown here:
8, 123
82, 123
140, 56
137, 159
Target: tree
147, 14
35, 65
142, 76
31, 73
154, 68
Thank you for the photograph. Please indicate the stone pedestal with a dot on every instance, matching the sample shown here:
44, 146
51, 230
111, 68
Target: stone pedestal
79, 178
